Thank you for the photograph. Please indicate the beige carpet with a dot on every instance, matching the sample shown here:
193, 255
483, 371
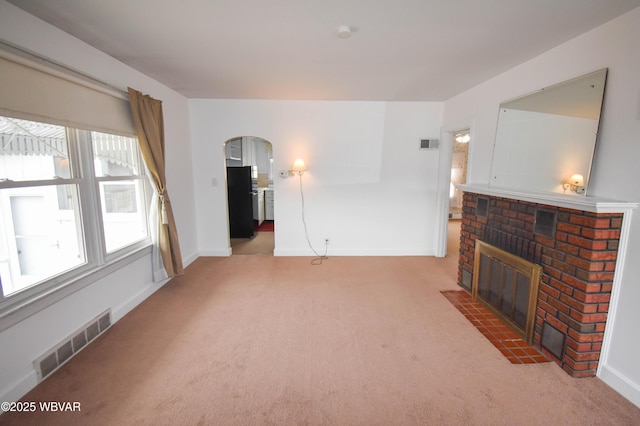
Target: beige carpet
263, 340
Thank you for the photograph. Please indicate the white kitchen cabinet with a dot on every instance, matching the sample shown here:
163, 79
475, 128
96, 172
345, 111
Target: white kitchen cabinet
248, 151
258, 206
234, 149
268, 204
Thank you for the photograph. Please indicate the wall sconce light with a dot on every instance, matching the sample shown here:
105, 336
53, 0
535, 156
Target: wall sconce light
575, 184
298, 167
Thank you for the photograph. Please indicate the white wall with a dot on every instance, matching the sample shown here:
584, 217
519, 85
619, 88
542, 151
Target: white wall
123, 289
615, 174
368, 188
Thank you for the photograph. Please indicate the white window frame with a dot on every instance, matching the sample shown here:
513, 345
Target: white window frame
98, 263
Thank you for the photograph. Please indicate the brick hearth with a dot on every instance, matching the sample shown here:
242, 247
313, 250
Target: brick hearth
578, 258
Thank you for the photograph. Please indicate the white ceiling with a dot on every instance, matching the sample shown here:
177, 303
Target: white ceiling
400, 50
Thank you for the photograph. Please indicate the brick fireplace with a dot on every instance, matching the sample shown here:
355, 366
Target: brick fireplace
577, 248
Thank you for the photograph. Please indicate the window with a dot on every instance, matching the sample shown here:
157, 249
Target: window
70, 201
118, 170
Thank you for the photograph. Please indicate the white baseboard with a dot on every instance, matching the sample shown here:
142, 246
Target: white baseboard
620, 383
186, 261
17, 390
330, 252
120, 311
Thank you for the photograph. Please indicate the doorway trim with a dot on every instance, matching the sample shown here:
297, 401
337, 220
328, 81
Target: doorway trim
444, 182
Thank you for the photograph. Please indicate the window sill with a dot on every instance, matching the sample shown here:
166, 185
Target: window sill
20, 310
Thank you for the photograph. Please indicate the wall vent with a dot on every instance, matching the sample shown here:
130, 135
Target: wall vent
545, 223
429, 143
552, 340
55, 357
482, 207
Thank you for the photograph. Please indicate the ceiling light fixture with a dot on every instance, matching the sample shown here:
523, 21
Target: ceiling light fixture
463, 137
344, 31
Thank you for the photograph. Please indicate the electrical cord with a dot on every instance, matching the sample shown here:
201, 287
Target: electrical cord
320, 257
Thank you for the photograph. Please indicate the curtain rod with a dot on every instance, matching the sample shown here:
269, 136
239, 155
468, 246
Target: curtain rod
32, 59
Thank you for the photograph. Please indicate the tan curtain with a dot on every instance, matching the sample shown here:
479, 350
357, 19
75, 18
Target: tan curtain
149, 123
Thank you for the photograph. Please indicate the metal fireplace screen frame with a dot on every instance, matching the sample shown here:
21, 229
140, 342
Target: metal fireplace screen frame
507, 285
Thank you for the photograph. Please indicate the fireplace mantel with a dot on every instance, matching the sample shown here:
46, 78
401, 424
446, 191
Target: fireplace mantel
569, 201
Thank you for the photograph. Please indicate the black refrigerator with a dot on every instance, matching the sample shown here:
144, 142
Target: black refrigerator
240, 199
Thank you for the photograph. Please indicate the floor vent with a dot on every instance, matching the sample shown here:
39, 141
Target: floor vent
54, 358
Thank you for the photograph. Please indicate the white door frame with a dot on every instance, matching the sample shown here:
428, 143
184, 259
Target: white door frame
444, 183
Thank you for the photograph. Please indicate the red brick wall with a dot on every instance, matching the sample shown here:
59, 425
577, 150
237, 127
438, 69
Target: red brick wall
578, 262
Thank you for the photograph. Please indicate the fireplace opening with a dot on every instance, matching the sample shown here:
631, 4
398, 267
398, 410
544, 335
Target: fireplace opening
508, 286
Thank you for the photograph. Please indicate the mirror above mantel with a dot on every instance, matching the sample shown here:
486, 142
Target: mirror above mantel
547, 137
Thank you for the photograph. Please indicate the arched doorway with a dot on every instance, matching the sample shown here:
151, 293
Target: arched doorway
250, 197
